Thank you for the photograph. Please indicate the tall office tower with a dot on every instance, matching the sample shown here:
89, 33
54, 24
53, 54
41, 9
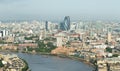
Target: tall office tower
4, 33
59, 38
0, 34
7, 33
73, 26
109, 37
42, 34
46, 25
62, 26
65, 25
59, 41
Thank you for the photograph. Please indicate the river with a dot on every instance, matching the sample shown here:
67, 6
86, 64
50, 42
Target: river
53, 63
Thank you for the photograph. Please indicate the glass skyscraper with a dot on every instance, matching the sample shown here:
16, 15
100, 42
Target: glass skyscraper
65, 25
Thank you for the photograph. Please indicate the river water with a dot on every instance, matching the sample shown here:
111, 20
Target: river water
53, 63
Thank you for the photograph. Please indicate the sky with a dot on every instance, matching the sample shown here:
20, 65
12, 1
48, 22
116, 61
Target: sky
57, 9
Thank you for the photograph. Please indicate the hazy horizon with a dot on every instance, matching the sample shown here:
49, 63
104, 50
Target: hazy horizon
57, 9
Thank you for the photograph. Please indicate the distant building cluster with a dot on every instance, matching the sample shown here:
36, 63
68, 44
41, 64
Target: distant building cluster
97, 42
4, 33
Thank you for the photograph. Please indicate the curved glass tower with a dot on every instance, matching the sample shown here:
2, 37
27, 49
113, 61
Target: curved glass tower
65, 25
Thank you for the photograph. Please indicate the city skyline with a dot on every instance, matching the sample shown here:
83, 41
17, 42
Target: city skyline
57, 9
59, 35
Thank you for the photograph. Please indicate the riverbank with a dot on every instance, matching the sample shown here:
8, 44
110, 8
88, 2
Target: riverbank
11, 62
38, 62
26, 66
75, 58
61, 56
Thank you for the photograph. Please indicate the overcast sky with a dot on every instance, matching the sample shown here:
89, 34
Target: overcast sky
57, 9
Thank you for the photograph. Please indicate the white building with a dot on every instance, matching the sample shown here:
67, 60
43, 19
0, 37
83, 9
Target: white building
0, 34
59, 37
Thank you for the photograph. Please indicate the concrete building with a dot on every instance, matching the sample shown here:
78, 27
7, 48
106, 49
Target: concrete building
109, 39
4, 33
0, 34
102, 65
59, 39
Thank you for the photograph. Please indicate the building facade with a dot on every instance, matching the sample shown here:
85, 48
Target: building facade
65, 25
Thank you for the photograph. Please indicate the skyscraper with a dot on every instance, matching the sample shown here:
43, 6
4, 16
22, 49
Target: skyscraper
62, 26
109, 39
67, 22
46, 25
109, 35
65, 25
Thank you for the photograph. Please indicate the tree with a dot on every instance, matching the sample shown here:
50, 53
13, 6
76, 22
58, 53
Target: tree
43, 47
75, 38
30, 38
41, 44
115, 55
50, 44
1, 64
106, 42
68, 43
26, 66
50, 39
109, 50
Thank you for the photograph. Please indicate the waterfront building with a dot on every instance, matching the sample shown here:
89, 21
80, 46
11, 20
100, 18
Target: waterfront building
101, 65
59, 39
